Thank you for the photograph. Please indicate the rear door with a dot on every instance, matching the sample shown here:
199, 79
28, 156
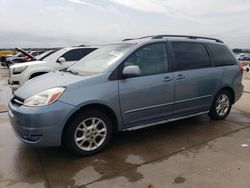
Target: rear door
150, 96
195, 78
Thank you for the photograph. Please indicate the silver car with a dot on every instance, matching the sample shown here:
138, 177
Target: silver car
125, 86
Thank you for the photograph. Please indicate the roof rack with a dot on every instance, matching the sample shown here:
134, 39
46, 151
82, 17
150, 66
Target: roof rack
183, 36
187, 36
150, 36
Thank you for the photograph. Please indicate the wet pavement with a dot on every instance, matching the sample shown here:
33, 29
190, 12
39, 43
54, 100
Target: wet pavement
196, 152
5, 91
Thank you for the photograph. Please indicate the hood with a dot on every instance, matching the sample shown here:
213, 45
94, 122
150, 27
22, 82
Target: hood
47, 81
26, 64
26, 53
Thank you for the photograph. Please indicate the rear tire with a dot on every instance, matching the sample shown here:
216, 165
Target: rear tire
88, 133
221, 106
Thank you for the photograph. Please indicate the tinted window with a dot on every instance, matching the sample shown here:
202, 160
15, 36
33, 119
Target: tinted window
151, 59
221, 55
190, 55
73, 55
86, 51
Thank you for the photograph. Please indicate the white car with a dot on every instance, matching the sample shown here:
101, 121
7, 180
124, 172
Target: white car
63, 58
246, 68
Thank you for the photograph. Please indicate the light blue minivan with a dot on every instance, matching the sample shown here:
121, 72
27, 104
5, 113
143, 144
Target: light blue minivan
129, 85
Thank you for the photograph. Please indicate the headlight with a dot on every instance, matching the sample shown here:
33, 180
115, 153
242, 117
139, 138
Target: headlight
44, 98
19, 70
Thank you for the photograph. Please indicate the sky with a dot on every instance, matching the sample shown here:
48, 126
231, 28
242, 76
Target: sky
54, 23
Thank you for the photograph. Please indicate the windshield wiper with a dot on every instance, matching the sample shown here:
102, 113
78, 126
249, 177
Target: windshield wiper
70, 71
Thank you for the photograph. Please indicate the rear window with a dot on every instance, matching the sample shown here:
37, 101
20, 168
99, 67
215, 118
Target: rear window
221, 55
190, 55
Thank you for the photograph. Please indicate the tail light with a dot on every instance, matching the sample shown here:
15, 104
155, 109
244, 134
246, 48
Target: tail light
241, 68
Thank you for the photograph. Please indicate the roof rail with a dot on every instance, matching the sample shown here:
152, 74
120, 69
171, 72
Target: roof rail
187, 36
183, 36
150, 36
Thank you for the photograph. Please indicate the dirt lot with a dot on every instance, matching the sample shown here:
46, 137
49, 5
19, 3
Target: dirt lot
196, 152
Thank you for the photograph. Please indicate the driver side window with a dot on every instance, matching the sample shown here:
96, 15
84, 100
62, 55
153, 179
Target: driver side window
73, 55
151, 59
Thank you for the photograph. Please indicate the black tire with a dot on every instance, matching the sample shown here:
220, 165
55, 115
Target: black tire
69, 133
213, 113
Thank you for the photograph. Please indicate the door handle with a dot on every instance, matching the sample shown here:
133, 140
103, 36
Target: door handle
180, 77
167, 79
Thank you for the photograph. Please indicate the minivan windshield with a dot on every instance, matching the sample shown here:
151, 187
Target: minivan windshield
99, 60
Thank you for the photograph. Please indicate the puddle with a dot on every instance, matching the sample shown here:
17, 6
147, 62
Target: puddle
86, 176
179, 180
134, 159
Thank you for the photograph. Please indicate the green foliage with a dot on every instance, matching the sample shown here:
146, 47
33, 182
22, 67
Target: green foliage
238, 50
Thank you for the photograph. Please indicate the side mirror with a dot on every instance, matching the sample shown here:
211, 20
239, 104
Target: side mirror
131, 71
61, 60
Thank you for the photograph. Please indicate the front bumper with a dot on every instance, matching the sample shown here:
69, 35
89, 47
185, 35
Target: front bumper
40, 126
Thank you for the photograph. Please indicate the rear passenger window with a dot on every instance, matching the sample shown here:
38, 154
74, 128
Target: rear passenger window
86, 51
190, 56
221, 55
151, 59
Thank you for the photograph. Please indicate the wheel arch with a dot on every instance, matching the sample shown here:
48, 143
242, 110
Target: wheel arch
96, 106
230, 90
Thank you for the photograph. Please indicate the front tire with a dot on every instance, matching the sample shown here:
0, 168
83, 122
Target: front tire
221, 106
88, 133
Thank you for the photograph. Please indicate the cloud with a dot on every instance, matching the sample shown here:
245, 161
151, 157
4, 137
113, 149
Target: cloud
143, 5
85, 3
187, 7
78, 2
46, 22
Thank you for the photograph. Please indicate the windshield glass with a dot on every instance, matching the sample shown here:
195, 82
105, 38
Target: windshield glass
44, 55
99, 60
56, 54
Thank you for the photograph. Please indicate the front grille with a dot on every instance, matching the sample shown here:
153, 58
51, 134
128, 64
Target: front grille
15, 82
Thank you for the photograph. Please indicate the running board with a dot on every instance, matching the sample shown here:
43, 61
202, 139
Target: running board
163, 121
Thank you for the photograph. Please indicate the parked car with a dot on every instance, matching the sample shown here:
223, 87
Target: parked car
36, 53
245, 57
63, 58
45, 54
246, 68
5, 53
133, 84
22, 56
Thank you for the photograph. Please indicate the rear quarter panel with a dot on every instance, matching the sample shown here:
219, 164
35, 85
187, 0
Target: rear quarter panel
231, 76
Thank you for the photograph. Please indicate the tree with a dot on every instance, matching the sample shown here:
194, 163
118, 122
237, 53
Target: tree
237, 50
